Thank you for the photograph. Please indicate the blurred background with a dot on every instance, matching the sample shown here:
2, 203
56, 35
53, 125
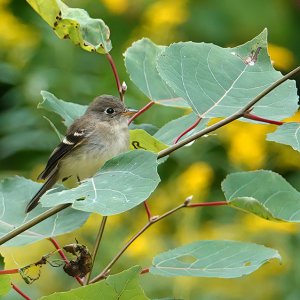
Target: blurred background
32, 59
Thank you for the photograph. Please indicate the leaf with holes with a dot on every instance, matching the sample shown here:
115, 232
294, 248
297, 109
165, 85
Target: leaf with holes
288, 134
122, 286
75, 24
263, 193
140, 62
219, 259
217, 82
15, 193
169, 132
121, 184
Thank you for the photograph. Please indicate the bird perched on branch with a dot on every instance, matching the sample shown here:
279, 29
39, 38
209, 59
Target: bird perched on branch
100, 134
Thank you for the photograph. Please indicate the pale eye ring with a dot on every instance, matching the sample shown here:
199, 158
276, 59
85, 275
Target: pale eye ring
109, 111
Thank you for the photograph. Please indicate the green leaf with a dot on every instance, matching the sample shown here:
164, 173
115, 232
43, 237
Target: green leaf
249, 204
140, 139
67, 110
220, 259
121, 184
263, 193
15, 193
122, 286
75, 24
140, 62
288, 134
169, 132
217, 82
4, 279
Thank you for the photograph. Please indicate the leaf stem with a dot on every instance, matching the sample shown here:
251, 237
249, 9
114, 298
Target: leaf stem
96, 246
9, 271
20, 292
142, 110
240, 113
32, 222
216, 203
188, 130
148, 211
116, 75
257, 118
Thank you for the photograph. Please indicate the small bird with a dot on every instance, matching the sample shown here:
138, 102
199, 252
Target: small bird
99, 135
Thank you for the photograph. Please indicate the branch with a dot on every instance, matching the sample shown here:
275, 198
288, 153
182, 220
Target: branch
96, 247
152, 221
32, 222
240, 113
19, 291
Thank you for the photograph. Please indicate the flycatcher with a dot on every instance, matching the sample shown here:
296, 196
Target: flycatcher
99, 135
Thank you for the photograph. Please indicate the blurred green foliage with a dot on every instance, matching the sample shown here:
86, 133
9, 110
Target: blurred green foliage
32, 59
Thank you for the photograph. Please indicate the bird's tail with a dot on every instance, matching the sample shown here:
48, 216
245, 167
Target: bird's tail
36, 198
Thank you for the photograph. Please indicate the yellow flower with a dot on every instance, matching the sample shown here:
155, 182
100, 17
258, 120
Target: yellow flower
195, 180
282, 57
117, 7
247, 145
161, 19
17, 39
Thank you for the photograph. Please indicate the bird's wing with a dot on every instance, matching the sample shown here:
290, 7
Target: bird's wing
72, 140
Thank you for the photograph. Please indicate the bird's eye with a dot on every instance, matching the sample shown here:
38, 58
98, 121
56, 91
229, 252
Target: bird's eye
109, 111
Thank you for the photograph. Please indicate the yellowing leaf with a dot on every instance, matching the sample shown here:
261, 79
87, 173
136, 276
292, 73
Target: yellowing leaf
74, 24
140, 139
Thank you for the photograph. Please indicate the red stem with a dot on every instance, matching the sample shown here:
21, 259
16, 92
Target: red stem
257, 118
10, 271
148, 211
20, 292
63, 256
216, 203
142, 110
114, 69
188, 130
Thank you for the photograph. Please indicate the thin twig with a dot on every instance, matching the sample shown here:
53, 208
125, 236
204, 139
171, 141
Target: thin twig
63, 256
229, 119
116, 75
152, 221
188, 130
33, 222
259, 119
96, 246
20, 292
142, 110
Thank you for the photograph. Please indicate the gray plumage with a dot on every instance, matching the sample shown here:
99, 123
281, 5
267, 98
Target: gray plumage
100, 134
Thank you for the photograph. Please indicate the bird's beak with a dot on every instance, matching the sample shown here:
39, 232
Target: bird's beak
129, 112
